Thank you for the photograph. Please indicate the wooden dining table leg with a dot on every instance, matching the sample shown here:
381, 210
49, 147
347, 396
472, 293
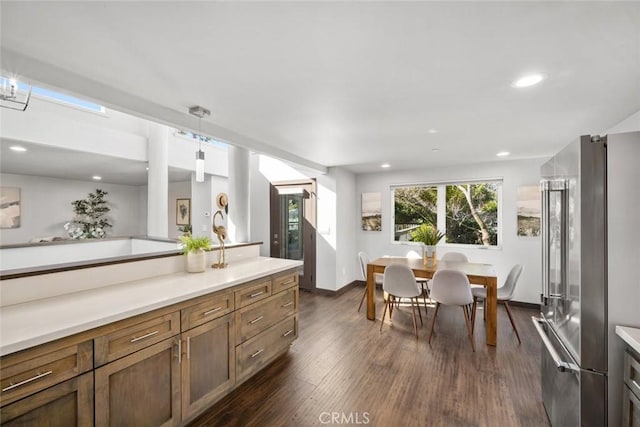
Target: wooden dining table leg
492, 311
371, 288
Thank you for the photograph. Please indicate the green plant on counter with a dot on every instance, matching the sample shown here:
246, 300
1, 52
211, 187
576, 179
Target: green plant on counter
427, 234
193, 244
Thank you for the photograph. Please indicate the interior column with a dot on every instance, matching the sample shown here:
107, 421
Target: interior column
158, 180
239, 194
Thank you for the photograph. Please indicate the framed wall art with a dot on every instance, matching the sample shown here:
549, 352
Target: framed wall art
183, 211
528, 207
9, 207
371, 212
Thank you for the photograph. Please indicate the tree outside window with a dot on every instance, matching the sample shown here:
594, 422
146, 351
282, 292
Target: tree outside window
470, 211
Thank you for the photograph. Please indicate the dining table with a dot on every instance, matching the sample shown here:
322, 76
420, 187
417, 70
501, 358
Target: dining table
478, 274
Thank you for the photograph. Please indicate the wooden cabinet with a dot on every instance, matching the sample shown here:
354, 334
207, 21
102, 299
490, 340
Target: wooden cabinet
208, 365
631, 391
130, 335
160, 368
255, 353
69, 403
142, 389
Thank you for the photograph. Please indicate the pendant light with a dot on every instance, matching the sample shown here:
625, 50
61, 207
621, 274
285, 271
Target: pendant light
199, 112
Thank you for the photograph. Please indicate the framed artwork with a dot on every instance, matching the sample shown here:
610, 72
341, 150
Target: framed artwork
371, 211
528, 207
183, 211
9, 207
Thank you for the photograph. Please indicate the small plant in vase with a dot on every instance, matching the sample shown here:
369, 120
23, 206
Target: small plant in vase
91, 220
194, 249
429, 236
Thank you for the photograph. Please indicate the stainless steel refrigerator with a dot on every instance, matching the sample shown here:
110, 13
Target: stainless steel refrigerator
591, 264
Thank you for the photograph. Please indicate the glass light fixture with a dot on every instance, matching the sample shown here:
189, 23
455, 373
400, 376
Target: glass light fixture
199, 112
199, 166
14, 95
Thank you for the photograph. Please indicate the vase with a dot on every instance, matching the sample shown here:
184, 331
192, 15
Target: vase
429, 255
196, 261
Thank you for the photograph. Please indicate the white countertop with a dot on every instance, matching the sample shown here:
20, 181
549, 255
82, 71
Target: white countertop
629, 335
37, 322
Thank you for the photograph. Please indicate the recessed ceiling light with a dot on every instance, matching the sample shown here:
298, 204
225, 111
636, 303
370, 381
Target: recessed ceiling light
385, 165
97, 178
503, 154
17, 148
432, 131
435, 150
147, 167
528, 80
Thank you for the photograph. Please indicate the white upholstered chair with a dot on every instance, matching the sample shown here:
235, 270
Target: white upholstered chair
455, 256
451, 287
505, 294
399, 282
364, 260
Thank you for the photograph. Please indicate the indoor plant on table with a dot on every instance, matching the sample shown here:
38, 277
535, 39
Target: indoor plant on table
195, 250
429, 236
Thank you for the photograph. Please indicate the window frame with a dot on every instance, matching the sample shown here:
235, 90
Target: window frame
442, 210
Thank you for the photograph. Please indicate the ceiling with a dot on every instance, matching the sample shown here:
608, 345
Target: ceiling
56, 162
352, 84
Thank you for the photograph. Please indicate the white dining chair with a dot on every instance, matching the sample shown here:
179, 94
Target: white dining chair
377, 277
451, 287
399, 282
505, 294
455, 256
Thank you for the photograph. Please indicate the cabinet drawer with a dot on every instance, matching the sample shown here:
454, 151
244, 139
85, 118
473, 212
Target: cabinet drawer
260, 350
253, 293
207, 309
34, 370
286, 281
630, 408
632, 373
133, 334
254, 319
69, 403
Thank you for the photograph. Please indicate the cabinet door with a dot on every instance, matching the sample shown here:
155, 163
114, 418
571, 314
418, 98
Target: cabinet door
208, 367
142, 389
67, 404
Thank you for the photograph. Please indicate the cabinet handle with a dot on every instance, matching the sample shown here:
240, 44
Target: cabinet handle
287, 304
27, 381
288, 282
150, 334
206, 313
289, 332
179, 351
256, 294
257, 319
257, 353
188, 347
635, 383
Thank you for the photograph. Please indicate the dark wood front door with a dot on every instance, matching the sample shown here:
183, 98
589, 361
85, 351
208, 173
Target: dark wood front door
293, 226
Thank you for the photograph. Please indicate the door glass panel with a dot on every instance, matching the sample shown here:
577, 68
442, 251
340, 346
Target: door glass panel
291, 207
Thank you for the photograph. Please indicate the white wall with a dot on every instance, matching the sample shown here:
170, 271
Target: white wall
335, 239
514, 250
45, 205
629, 124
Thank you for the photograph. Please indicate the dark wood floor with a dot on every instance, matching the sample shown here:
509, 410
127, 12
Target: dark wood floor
342, 364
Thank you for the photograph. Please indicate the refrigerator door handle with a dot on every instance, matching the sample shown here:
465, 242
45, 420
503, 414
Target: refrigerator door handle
544, 189
561, 365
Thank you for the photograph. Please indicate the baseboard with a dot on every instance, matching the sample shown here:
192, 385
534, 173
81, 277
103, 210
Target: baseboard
339, 292
524, 304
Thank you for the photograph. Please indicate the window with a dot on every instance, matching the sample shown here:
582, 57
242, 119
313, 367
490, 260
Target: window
472, 213
467, 212
201, 138
413, 206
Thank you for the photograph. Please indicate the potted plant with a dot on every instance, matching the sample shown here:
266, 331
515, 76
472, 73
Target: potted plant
195, 250
429, 236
